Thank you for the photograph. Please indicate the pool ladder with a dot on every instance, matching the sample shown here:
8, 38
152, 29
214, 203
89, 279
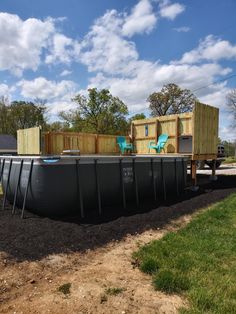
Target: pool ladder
2, 166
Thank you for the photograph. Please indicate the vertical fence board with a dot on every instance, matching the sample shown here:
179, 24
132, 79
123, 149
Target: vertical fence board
29, 141
205, 129
87, 143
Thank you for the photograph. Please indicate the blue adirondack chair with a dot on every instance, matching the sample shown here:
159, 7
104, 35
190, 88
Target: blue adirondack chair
123, 145
162, 139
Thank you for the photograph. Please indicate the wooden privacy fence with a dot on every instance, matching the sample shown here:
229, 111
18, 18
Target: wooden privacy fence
87, 143
193, 133
34, 142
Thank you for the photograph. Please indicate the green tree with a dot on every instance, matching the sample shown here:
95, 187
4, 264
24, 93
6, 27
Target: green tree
138, 116
58, 126
20, 115
100, 112
230, 148
219, 141
171, 100
73, 120
25, 115
4, 115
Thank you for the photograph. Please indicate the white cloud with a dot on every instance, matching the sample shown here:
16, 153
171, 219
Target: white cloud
104, 49
4, 90
211, 48
182, 29
58, 94
65, 73
170, 10
215, 95
46, 89
22, 42
141, 20
112, 58
63, 49
60, 50
56, 106
150, 77
227, 132
115, 62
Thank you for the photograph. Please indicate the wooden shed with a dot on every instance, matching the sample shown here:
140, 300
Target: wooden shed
194, 133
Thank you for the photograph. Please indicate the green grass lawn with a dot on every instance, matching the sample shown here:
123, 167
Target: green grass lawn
198, 261
230, 160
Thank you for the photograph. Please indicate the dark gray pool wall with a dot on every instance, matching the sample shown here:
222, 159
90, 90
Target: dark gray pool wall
86, 185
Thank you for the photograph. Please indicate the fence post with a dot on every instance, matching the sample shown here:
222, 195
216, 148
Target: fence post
96, 144
177, 134
156, 130
48, 152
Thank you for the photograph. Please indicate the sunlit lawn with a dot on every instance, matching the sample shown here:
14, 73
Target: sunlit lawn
198, 261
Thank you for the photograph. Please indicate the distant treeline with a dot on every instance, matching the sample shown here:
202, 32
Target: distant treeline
100, 112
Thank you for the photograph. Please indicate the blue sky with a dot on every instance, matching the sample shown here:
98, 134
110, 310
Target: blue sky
56, 49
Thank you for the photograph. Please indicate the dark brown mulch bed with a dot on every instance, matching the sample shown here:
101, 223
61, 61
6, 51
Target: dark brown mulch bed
35, 237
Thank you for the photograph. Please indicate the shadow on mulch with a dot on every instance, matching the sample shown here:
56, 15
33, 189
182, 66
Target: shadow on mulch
36, 237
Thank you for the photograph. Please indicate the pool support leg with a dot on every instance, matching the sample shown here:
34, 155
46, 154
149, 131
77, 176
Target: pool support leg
17, 187
213, 176
2, 169
8, 181
27, 188
194, 186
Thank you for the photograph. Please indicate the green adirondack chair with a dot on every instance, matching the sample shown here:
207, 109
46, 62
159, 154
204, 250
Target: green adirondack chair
162, 139
123, 145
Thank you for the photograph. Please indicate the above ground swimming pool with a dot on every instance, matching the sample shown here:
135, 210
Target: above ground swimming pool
87, 185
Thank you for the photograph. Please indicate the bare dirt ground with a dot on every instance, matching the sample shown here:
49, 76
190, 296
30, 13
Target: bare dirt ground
38, 255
